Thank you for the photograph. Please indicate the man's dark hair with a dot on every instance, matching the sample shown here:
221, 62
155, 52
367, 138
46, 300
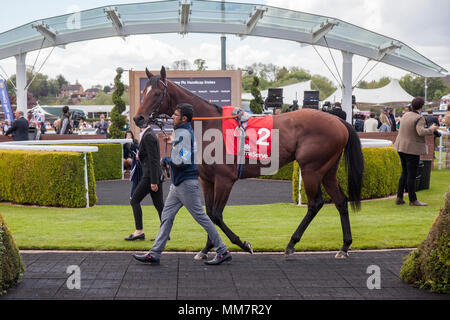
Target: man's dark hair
65, 109
338, 105
430, 111
372, 114
186, 110
417, 103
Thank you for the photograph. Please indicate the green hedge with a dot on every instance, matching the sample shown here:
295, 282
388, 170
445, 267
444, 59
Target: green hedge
380, 179
11, 263
429, 265
107, 161
46, 178
284, 173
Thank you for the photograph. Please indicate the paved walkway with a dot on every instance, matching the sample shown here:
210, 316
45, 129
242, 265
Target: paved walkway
304, 276
244, 192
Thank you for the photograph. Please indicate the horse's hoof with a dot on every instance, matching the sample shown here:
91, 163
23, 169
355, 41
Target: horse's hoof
200, 256
288, 252
341, 255
248, 247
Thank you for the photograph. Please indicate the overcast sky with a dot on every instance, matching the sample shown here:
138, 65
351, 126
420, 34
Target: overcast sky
422, 25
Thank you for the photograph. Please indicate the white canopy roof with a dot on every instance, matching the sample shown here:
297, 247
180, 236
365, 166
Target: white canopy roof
391, 93
290, 92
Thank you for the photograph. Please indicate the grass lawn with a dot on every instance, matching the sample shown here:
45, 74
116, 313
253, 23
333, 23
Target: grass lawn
380, 224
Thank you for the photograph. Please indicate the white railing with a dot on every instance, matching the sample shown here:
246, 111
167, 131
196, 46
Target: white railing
444, 145
375, 143
77, 141
55, 145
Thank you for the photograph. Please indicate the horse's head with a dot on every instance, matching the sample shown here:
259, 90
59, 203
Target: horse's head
155, 99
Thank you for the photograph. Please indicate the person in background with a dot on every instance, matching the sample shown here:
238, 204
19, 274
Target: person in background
385, 123
126, 127
359, 122
43, 128
391, 119
371, 124
102, 126
136, 168
66, 128
430, 118
410, 144
337, 111
447, 118
130, 150
19, 128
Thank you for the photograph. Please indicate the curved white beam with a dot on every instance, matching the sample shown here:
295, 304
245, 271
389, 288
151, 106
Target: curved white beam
388, 54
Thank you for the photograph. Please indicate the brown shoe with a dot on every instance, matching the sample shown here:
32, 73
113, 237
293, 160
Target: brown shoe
399, 201
418, 203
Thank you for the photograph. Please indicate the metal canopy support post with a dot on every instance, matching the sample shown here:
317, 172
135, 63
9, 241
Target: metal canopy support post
21, 82
347, 66
185, 11
223, 42
114, 16
223, 46
386, 49
48, 34
321, 30
253, 20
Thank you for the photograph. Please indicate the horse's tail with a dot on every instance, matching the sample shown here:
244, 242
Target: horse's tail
355, 166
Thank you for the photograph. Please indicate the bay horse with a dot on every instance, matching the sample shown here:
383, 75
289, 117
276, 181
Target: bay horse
315, 139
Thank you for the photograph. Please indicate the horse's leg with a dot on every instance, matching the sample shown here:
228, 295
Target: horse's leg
221, 193
315, 203
331, 185
208, 192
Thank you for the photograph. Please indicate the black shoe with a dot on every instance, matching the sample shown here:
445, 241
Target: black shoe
418, 204
220, 258
146, 258
399, 201
132, 238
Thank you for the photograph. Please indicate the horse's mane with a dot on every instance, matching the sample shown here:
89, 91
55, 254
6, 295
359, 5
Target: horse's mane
219, 109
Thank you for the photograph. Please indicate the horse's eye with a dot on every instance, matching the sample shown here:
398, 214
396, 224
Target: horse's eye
157, 94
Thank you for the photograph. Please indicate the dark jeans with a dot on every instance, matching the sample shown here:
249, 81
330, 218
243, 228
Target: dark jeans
410, 162
142, 190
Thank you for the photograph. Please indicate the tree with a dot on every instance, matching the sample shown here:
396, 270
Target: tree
293, 77
247, 82
281, 73
200, 64
415, 86
181, 65
61, 80
107, 89
325, 86
117, 120
384, 81
257, 102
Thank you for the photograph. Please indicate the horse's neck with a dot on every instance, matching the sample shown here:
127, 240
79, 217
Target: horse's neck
201, 107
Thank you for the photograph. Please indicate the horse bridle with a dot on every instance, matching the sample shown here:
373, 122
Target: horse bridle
152, 117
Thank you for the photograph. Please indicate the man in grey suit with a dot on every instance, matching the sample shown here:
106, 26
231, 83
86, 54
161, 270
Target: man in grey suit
19, 128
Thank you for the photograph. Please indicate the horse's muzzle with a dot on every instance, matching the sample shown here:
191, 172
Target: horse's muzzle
139, 121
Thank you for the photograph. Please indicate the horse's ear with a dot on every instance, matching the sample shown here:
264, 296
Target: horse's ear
149, 75
163, 74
